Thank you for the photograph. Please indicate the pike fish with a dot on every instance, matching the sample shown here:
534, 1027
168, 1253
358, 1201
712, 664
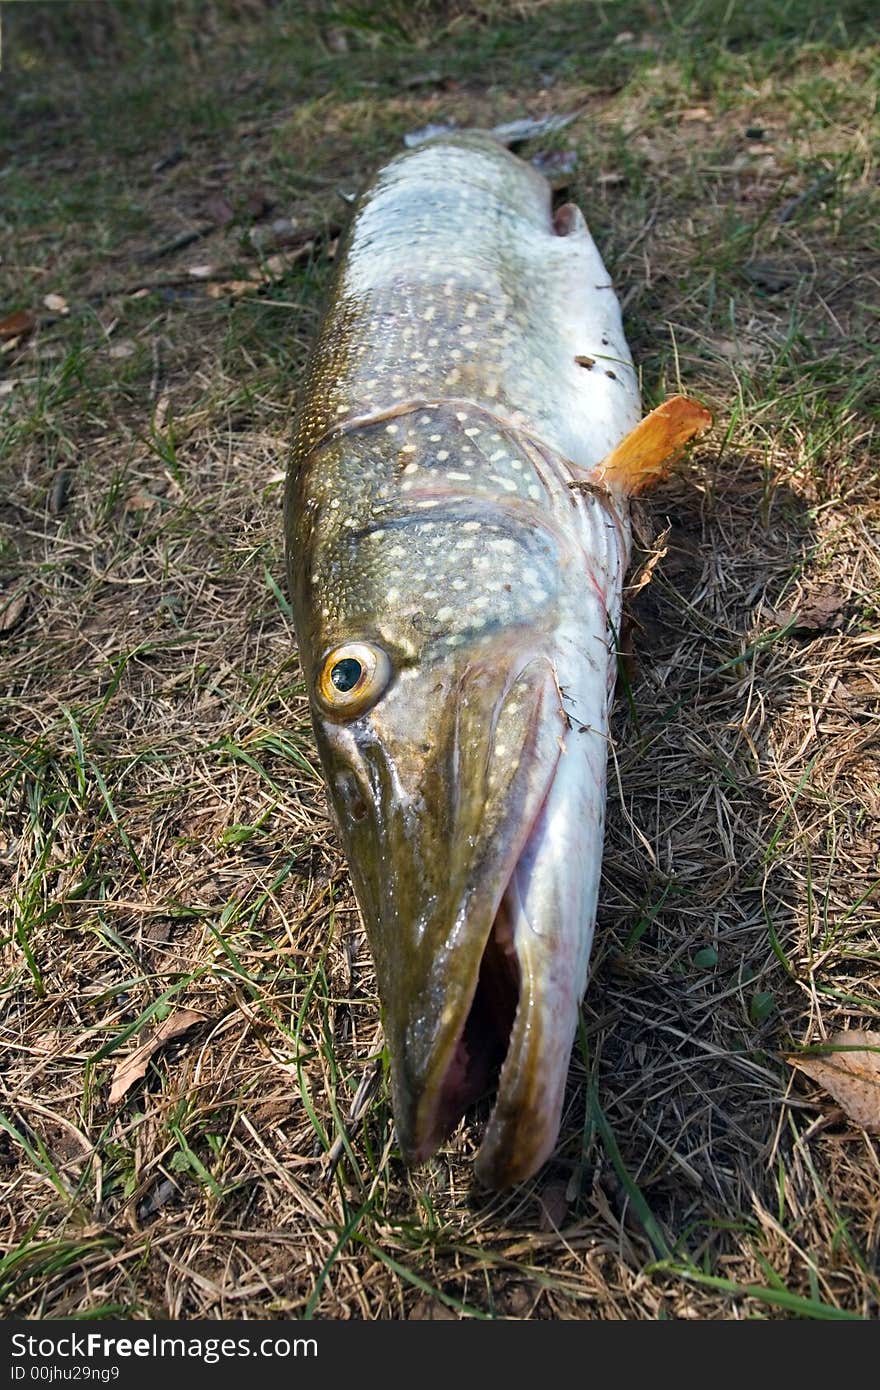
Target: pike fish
457, 536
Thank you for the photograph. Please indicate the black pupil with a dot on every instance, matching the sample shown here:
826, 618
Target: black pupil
346, 674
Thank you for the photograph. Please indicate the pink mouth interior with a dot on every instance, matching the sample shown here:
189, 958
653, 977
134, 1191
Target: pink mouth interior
483, 1043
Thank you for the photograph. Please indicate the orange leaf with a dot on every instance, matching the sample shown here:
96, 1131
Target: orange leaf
22, 321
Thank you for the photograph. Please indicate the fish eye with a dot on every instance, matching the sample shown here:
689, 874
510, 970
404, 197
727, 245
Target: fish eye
352, 679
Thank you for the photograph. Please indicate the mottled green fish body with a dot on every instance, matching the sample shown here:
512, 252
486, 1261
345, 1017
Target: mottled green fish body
455, 588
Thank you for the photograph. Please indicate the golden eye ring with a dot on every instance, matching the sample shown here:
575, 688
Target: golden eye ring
353, 677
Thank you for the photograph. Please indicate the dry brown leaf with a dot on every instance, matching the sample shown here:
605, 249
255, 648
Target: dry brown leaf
133, 1067
279, 264
822, 612
644, 576
851, 1076
219, 209
22, 321
430, 1310
141, 502
11, 610
233, 288
553, 1204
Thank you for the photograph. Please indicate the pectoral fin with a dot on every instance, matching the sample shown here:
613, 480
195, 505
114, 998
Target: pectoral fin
647, 452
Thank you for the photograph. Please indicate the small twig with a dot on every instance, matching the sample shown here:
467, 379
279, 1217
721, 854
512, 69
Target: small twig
787, 212
179, 242
154, 383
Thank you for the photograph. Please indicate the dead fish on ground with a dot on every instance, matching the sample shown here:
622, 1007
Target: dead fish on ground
457, 536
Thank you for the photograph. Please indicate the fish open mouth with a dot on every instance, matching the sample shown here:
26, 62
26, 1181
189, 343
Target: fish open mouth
515, 1028
484, 1038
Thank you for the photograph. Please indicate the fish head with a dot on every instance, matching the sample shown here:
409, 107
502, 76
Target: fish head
429, 623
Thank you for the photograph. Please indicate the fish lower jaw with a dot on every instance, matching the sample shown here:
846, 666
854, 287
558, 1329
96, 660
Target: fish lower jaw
481, 1046
515, 1041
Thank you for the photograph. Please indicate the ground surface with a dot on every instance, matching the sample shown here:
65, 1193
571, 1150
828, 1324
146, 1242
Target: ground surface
164, 841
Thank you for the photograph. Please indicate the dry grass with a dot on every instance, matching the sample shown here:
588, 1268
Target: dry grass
164, 839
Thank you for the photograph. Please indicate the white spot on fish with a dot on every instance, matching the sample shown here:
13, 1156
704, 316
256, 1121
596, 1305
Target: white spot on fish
442, 454
444, 614
471, 526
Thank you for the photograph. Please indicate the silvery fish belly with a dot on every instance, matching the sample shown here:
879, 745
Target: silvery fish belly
456, 553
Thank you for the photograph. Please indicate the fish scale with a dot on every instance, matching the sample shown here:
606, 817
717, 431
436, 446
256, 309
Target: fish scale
457, 535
